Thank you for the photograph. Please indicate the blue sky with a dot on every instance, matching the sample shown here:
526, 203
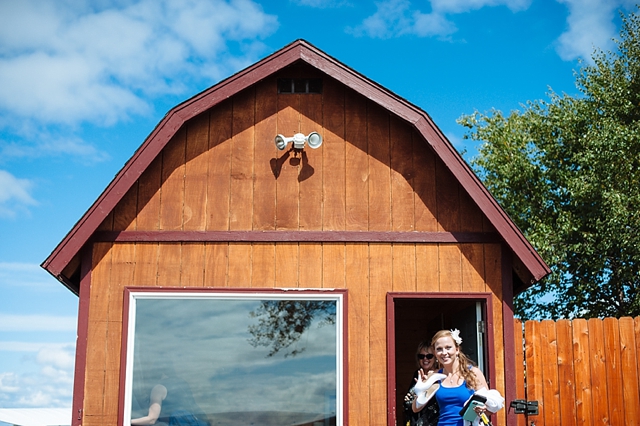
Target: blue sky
82, 83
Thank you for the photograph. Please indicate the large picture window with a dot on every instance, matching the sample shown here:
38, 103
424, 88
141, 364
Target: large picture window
234, 357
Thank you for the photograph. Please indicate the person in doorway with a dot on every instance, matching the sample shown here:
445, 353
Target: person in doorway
462, 378
426, 415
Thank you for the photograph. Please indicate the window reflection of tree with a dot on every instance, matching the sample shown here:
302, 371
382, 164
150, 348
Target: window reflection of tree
281, 323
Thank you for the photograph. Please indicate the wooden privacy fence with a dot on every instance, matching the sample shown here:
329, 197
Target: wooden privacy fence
581, 372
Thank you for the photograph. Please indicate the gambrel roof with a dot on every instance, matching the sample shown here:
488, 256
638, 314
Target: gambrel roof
63, 262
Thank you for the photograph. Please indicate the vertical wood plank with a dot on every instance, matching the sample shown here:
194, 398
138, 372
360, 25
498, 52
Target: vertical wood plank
287, 192
287, 260
192, 265
448, 200
357, 277
92, 420
266, 129
97, 345
631, 383
148, 217
614, 372
333, 161
497, 379
310, 265
550, 388
636, 327
95, 374
427, 271
380, 267
264, 265
449, 268
112, 372
311, 166
472, 262
124, 214
219, 176
471, 218
493, 269
379, 169
404, 267
146, 260
566, 373
239, 262
122, 271
402, 202
582, 367
357, 172
598, 372
333, 266
216, 257
518, 344
533, 356
169, 256
424, 184
107, 223
96, 361
102, 266
172, 190
242, 149
196, 173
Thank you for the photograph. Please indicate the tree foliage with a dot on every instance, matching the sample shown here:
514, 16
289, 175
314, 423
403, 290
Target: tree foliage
281, 323
567, 170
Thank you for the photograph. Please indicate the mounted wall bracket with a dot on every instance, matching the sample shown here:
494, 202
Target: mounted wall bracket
522, 406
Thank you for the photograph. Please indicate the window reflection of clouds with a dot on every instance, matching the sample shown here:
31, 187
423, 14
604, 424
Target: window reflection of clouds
206, 340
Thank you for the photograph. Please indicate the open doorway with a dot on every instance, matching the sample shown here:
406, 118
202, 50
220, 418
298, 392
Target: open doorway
417, 317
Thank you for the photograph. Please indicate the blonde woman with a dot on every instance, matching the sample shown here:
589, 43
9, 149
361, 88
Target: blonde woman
427, 414
462, 378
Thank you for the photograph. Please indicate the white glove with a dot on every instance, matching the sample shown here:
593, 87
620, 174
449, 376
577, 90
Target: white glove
421, 388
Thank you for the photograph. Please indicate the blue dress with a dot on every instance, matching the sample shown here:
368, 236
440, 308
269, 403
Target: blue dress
451, 401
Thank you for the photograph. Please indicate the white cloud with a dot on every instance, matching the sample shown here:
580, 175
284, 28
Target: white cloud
461, 6
15, 194
49, 385
47, 144
395, 18
8, 383
590, 26
65, 62
37, 323
27, 276
322, 3
590, 23
56, 359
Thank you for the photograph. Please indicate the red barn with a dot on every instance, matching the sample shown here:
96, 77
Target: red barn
288, 284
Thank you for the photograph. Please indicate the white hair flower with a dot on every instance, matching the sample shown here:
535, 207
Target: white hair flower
455, 334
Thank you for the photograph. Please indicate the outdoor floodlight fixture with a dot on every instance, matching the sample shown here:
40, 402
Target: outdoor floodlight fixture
313, 139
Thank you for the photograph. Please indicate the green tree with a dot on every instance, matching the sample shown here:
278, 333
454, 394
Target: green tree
567, 170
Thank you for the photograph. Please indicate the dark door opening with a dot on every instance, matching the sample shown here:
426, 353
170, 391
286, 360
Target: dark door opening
418, 318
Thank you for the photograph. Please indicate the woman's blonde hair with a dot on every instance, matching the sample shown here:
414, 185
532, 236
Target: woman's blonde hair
464, 364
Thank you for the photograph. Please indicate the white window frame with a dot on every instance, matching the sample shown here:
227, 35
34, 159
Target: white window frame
133, 294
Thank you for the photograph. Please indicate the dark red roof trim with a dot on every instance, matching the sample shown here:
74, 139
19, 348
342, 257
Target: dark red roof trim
299, 50
297, 236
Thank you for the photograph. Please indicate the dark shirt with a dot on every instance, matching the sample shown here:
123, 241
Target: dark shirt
429, 414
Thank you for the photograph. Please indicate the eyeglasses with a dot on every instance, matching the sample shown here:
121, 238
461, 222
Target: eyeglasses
423, 356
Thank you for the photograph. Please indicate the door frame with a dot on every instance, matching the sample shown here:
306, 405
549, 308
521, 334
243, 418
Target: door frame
392, 386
